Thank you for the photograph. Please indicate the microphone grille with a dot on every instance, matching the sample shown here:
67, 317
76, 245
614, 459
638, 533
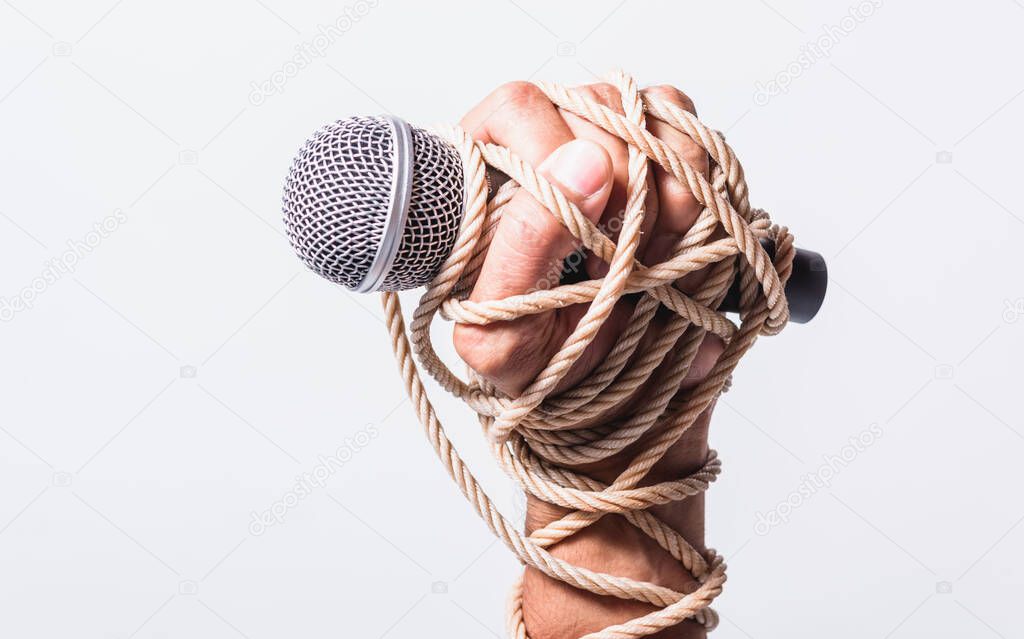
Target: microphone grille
338, 195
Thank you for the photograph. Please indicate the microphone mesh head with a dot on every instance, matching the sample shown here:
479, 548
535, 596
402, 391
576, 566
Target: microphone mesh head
338, 194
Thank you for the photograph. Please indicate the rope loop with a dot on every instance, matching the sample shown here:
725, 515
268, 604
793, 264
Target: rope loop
540, 436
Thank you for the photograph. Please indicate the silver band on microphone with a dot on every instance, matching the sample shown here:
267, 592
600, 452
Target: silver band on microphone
394, 223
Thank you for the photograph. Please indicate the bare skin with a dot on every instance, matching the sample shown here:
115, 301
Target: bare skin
590, 166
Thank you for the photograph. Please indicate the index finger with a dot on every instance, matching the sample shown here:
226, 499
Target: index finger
520, 117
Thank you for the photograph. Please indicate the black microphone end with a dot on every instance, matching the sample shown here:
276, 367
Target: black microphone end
805, 290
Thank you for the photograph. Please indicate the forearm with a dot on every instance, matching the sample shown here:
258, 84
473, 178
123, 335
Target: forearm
554, 610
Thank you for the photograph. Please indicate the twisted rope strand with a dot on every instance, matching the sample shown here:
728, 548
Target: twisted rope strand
538, 437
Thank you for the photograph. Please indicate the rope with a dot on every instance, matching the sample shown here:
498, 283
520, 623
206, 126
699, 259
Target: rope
537, 436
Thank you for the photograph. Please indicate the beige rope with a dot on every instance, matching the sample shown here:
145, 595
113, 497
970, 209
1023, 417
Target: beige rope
537, 436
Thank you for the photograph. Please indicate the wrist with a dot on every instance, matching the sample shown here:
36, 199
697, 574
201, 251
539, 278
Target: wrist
554, 610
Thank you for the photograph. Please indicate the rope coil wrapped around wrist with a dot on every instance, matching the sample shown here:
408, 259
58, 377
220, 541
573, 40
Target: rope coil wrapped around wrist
537, 436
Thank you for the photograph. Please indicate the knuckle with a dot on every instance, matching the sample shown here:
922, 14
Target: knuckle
539, 238
531, 226
676, 193
698, 159
671, 94
479, 347
518, 94
498, 353
470, 345
691, 151
605, 94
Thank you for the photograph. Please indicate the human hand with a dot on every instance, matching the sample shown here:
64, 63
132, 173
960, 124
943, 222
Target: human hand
589, 165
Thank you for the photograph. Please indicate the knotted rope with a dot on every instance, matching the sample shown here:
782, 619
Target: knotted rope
537, 436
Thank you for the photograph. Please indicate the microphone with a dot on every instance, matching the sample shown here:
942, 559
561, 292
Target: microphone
375, 204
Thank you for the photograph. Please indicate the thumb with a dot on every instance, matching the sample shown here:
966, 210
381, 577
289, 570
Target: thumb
530, 244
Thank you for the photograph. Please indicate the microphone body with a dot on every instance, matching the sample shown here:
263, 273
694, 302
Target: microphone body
375, 204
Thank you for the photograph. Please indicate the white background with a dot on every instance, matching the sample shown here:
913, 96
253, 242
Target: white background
189, 369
